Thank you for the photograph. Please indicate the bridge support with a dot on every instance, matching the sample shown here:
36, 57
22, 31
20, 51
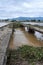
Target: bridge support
31, 30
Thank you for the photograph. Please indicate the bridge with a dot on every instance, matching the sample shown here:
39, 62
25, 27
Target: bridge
32, 27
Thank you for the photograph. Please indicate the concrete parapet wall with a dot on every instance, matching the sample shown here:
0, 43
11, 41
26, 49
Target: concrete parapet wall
4, 42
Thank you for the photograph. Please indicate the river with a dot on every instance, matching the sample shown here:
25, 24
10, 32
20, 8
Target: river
22, 37
33, 23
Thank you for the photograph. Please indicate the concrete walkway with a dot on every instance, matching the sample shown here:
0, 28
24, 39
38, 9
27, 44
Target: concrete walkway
4, 41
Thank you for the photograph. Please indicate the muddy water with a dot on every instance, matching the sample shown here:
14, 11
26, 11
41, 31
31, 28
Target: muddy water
22, 37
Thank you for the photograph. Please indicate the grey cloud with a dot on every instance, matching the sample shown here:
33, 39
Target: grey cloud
15, 8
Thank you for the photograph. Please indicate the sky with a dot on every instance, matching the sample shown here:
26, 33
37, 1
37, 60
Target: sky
21, 8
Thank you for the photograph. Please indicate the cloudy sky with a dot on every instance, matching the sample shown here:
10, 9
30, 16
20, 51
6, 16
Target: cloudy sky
18, 8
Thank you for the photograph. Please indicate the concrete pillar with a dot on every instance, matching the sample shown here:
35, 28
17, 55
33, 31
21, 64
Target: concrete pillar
31, 30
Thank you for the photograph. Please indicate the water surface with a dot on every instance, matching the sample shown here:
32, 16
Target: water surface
22, 37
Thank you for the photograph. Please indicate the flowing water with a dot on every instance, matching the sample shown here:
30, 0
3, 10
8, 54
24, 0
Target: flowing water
22, 37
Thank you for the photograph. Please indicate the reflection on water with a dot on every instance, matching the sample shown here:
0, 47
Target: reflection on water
22, 37
19, 39
38, 35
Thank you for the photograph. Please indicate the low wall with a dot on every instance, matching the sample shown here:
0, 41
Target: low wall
4, 42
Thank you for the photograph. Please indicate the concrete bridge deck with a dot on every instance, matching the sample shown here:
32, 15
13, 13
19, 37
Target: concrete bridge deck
38, 29
34, 26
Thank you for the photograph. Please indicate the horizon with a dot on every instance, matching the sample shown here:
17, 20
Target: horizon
19, 17
21, 8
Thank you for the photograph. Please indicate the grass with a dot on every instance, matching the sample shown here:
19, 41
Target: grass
27, 53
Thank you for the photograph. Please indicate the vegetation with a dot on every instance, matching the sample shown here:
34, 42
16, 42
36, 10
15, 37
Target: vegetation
17, 24
25, 54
